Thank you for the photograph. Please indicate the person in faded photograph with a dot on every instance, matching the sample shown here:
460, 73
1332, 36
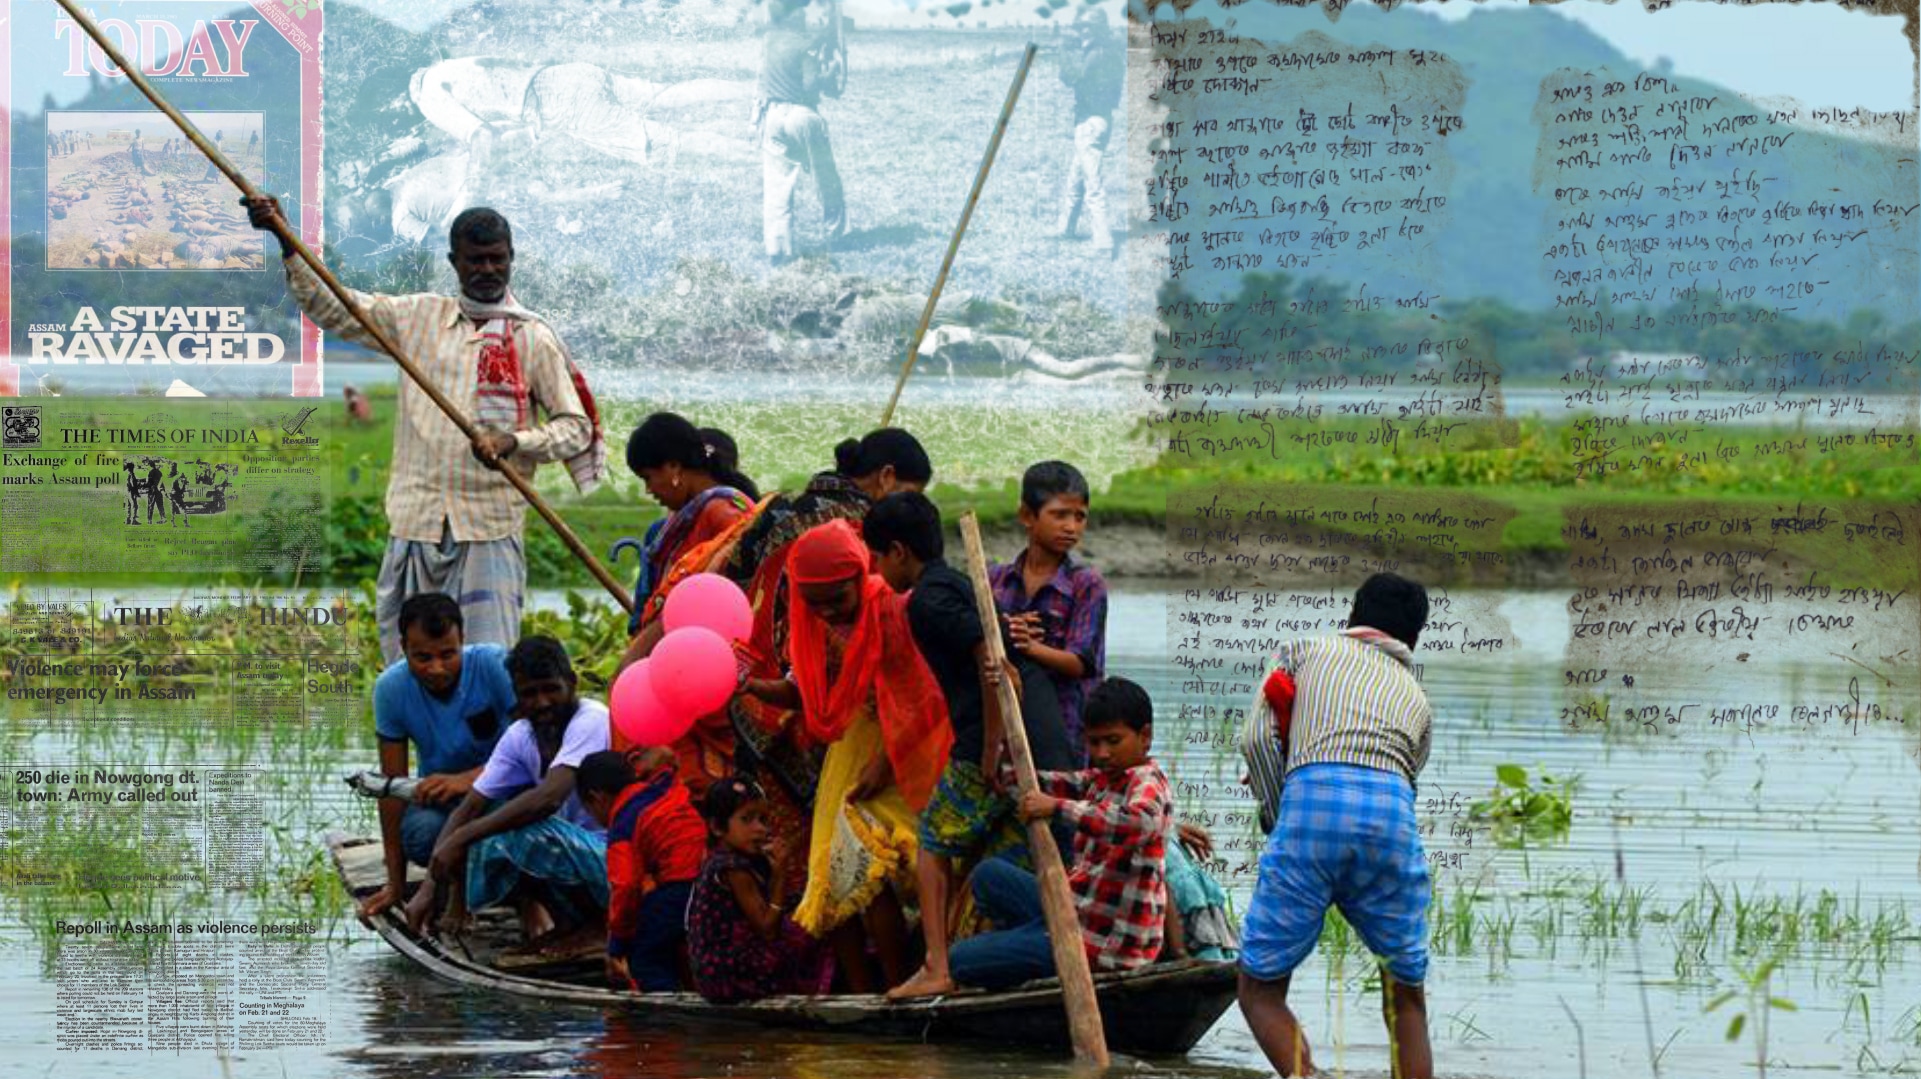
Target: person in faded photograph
178, 495
212, 172
468, 129
133, 492
1092, 68
155, 503
798, 62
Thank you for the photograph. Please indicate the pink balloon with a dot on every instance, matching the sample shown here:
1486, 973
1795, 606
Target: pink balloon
640, 715
694, 671
710, 601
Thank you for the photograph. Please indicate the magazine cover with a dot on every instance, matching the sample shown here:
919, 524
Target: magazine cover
132, 269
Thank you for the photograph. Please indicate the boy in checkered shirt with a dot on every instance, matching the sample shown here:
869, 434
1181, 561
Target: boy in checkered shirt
1119, 810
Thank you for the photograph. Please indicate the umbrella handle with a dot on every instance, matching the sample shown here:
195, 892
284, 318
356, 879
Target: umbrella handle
625, 543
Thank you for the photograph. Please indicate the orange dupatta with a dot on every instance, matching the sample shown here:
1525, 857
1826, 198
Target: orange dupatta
706, 556
880, 658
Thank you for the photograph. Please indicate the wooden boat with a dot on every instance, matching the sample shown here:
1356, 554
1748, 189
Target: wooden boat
1162, 1009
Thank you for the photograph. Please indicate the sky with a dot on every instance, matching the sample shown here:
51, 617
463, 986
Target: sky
1818, 53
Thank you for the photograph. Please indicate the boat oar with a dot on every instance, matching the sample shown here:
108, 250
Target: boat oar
953, 243
1057, 903
287, 237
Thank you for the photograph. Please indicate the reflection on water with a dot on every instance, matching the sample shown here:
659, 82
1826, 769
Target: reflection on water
431, 1030
1758, 820
803, 387
695, 388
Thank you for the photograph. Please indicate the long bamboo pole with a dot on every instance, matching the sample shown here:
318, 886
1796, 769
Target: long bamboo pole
953, 243
1057, 903
291, 241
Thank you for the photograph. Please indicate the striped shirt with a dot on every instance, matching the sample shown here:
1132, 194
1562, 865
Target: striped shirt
1356, 702
434, 477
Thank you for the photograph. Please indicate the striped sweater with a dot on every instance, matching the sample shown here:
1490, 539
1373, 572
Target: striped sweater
1356, 702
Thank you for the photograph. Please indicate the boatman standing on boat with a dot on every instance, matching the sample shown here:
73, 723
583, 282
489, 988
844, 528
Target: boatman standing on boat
455, 524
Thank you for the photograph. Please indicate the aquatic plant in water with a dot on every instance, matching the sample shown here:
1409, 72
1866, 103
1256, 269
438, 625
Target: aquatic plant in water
1756, 986
1520, 811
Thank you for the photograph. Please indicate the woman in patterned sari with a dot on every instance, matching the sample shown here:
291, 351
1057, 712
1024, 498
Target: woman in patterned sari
766, 746
866, 694
694, 474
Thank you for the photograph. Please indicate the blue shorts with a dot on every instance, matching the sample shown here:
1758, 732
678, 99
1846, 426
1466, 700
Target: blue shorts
1346, 837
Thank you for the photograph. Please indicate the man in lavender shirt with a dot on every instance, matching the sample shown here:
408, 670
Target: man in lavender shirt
521, 835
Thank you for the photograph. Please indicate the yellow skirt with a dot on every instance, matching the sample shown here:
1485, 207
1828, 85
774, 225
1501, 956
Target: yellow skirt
856, 849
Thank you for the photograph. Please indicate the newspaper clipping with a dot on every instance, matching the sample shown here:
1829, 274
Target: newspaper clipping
174, 488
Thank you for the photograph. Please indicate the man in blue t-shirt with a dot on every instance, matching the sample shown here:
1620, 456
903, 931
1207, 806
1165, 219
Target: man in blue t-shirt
452, 701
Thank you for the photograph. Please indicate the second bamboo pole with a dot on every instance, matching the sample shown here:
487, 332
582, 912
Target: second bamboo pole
1057, 901
953, 243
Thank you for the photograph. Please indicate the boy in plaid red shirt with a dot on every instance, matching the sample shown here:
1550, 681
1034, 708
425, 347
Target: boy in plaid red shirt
1119, 810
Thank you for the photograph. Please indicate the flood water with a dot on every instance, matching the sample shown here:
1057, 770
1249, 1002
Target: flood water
1116, 388
1550, 964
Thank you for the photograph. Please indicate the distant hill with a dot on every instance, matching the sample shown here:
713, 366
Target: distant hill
1493, 244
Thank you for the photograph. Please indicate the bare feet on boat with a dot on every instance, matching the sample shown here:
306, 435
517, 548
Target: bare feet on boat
454, 920
420, 909
924, 983
535, 922
557, 945
532, 944
585, 940
374, 905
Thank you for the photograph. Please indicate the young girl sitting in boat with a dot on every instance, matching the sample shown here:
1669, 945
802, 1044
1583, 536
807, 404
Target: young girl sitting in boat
865, 692
741, 945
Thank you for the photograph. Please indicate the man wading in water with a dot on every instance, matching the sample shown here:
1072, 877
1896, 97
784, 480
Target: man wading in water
455, 523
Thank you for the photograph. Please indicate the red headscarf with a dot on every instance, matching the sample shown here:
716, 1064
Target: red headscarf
828, 553
880, 659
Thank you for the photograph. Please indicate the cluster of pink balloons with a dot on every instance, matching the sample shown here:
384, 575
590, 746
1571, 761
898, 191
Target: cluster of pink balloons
692, 671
